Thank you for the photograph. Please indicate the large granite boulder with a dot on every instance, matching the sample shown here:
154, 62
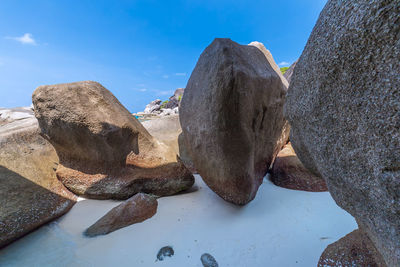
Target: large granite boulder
30, 194
104, 151
232, 118
288, 172
343, 105
136, 209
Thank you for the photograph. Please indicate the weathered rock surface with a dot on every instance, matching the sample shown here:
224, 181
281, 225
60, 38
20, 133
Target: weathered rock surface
288, 74
168, 130
289, 172
136, 209
104, 151
30, 194
343, 105
153, 106
232, 118
165, 129
174, 101
355, 249
166, 108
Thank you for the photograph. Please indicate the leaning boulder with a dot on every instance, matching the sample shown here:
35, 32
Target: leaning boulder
289, 172
136, 209
232, 118
104, 151
343, 105
30, 194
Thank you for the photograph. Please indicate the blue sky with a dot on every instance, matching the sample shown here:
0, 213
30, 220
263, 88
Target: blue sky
139, 50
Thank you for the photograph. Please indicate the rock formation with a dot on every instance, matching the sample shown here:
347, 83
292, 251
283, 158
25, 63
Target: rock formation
104, 151
288, 172
355, 249
30, 194
168, 130
136, 209
232, 118
166, 108
343, 105
288, 74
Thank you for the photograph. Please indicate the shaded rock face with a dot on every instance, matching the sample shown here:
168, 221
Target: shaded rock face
343, 105
232, 118
288, 74
104, 151
355, 249
289, 172
136, 209
30, 194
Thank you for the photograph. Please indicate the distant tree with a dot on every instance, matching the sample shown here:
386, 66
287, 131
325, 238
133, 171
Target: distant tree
163, 104
284, 69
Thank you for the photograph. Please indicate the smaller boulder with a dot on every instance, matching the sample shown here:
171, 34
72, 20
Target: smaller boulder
289, 172
137, 209
355, 249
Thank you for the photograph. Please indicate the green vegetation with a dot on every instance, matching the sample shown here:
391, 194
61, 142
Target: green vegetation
284, 69
180, 98
163, 104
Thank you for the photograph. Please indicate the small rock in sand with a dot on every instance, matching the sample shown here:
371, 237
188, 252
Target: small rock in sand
208, 261
166, 251
137, 209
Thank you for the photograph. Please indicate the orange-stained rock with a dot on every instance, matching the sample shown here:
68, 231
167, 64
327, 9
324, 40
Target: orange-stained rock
137, 209
355, 249
289, 172
104, 151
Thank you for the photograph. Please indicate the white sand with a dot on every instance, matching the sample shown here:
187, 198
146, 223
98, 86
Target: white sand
280, 227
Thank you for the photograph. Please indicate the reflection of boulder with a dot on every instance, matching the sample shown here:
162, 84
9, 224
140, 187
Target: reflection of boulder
30, 194
343, 105
104, 151
232, 118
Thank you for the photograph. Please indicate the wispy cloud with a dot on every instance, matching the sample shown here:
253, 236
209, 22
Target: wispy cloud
27, 38
180, 74
165, 76
163, 92
284, 64
142, 89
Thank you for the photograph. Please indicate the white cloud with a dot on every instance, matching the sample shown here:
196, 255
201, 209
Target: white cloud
27, 38
163, 93
180, 74
165, 76
284, 64
142, 89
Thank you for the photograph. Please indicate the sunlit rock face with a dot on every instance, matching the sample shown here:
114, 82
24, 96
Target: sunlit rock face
104, 151
343, 105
